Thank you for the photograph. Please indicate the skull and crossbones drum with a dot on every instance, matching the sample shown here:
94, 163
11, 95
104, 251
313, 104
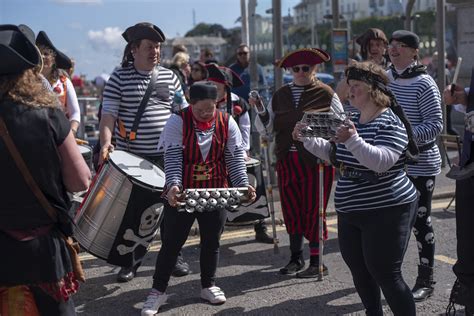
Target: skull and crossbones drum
248, 214
122, 211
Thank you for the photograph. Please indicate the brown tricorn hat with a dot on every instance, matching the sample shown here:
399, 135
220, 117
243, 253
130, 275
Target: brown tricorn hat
144, 30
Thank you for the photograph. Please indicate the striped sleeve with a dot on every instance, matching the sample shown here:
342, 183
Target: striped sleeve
112, 95
430, 111
173, 166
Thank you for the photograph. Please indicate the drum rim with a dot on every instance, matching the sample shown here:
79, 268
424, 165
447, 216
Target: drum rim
253, 164
133, 179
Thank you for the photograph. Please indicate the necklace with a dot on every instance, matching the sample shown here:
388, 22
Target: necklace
376, 113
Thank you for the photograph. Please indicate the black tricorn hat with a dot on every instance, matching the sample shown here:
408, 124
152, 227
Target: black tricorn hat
223, 75
62, 61
144, 30
17, 51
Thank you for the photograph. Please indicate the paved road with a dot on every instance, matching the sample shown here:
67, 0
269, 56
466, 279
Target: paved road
248, 273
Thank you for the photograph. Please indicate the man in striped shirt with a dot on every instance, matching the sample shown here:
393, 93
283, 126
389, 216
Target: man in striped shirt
122, 97
418, 95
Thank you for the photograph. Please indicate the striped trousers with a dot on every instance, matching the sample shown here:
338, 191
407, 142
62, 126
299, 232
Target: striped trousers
299, 195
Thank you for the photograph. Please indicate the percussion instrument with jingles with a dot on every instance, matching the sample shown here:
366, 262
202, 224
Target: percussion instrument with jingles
122, 211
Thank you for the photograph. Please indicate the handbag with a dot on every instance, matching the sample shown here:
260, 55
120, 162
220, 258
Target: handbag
71, 245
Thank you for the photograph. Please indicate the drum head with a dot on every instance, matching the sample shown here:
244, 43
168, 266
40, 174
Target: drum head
138, 169
252, 162
86, 151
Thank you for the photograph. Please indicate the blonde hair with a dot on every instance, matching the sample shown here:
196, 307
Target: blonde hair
26, 88
180, 59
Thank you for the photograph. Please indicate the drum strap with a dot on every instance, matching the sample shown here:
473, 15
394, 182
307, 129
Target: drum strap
141, 109
72, 247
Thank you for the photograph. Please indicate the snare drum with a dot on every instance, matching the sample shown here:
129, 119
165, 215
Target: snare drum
248, 214
122, 210
86, 153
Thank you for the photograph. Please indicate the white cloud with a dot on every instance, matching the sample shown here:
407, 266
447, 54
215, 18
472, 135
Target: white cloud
106, 39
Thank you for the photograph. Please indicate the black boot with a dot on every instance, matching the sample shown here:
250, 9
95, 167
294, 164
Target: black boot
296, 264
462, 295
181, 268
313, 269
261, 233
127, 274
424, 284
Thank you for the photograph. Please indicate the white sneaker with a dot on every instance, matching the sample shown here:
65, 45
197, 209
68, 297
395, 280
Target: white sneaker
213, 295
153, 302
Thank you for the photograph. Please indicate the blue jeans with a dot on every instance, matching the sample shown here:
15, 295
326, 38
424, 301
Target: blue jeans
373, 244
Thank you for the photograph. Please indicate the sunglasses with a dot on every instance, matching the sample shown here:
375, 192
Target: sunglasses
303, 68
242, 53
195, 69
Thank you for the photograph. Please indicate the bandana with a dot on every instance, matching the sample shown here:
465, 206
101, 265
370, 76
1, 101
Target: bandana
353, 73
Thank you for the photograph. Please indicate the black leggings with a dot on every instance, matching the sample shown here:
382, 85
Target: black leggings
178, 225
373, 244
423, 228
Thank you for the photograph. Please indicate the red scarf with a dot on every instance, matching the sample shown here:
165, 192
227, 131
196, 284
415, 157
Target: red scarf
203, 126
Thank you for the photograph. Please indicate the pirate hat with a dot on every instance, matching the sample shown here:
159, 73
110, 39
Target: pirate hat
223, 75
143, 30
17, 50
304, 56
62, 61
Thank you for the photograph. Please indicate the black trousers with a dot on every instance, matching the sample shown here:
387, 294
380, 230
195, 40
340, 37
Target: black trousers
178, 225
373, 245
464, 267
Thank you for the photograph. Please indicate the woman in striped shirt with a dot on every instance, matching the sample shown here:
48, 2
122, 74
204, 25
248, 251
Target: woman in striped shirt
203, 149
374, 199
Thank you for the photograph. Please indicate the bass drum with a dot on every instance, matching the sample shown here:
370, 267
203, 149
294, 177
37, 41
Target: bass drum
122, 211
248, 214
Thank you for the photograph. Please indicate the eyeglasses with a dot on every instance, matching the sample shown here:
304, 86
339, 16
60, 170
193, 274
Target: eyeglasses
396, 45
303, 68
242, 53
195, 69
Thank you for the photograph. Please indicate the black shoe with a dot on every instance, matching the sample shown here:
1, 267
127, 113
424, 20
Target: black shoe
263, 237
421, 293
181, 268
312, 272
292, 267
126, 274
423, 288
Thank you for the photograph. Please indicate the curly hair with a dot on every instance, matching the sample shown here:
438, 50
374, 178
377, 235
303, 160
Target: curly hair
54, 76
374, 70
26, 88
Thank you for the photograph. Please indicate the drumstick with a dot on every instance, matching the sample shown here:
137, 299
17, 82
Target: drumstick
456, 74
81, 142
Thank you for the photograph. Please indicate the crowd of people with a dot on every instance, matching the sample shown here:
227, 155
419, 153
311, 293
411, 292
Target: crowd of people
194, 120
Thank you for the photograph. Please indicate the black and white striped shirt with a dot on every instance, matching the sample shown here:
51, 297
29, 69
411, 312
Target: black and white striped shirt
394, 187
420, 99
122, 96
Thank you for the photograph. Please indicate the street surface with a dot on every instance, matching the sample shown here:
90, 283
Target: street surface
248, 273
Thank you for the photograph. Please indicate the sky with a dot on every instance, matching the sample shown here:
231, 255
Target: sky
90, 30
